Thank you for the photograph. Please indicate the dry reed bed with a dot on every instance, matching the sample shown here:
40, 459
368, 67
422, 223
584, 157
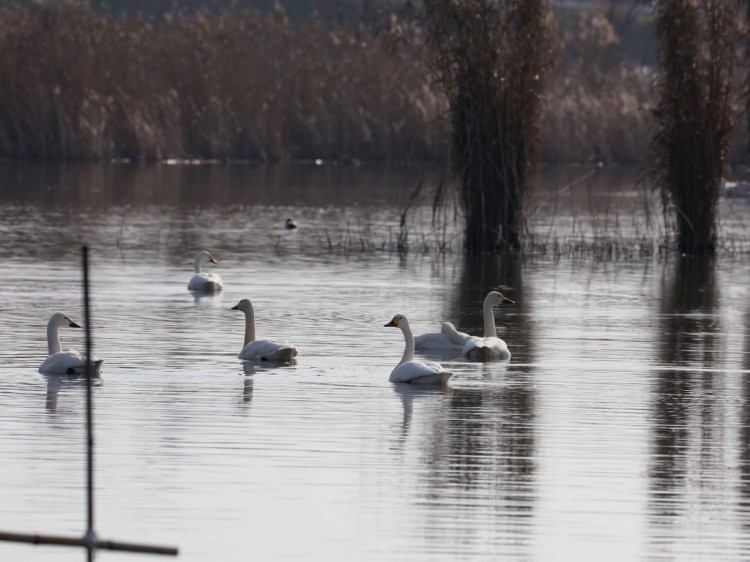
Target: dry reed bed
79, 83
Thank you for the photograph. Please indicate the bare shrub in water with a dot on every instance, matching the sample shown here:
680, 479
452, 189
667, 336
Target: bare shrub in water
489, 58
696, 41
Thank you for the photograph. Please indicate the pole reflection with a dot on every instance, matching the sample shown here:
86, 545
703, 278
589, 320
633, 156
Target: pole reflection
743, 502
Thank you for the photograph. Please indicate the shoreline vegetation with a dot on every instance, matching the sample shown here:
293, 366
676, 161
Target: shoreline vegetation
79, 82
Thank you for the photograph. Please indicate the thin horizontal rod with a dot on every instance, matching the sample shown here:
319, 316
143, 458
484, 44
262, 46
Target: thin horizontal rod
99, 544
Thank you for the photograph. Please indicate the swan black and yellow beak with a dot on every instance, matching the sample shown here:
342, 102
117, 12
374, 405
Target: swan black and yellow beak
212, 259
72, 324
392, 323
235, 307
505, 300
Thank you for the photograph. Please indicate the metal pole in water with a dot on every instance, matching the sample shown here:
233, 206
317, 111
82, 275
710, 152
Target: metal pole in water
90, 534
89, 540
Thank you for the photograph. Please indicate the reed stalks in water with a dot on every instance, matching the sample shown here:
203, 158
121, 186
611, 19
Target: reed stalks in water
490, 59
696, 51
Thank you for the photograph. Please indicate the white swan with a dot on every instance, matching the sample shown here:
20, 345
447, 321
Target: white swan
205, 282
488, 346
62, 362
447, 339
415, 372
262, 350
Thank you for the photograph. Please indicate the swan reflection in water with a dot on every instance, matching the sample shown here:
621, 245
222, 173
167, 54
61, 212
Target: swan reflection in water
408, 393
207, 300
248, 383
252, 368
56, 383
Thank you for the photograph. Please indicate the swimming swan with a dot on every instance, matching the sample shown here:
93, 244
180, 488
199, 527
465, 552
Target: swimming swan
415, 372
62, 362
262, 350
204, 282
447, 339
489, 346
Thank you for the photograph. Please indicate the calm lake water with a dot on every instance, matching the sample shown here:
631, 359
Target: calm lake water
619, 430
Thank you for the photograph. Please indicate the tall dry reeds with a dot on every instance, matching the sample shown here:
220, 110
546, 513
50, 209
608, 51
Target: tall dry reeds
696, 53
600, 93
76, 82
489, 60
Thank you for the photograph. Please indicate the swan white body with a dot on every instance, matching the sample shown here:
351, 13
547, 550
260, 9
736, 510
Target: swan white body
489, 346
62, 362
262, 350
205, 282
447, 339
415, 372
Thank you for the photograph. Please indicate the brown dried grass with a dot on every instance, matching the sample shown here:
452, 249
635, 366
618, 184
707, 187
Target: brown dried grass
79, 83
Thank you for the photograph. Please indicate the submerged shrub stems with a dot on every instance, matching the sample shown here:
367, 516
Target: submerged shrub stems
696, 49
489, 60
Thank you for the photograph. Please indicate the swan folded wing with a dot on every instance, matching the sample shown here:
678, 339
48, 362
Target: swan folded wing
420, 372
454, 336
268, 350
69, 363
208, 282
486, 348
434, 341
448, 338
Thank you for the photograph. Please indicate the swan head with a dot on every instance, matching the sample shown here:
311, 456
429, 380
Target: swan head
60, 320
205, 257
244, 305
496, 297
398, 321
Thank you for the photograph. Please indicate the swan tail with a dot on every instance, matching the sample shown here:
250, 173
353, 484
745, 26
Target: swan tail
485, 353
96, 368
283, 355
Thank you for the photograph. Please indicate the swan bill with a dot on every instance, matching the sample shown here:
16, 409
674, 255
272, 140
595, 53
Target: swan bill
393, 323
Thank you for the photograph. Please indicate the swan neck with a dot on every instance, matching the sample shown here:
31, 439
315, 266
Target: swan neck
249, 325
198, 264
490, 331
409, 350
53, 339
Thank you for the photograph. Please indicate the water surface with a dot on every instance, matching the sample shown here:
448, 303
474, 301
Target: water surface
619, 430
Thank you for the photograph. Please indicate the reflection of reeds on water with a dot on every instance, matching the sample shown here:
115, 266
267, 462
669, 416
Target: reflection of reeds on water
685, 404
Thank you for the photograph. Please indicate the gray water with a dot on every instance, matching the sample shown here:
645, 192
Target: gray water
619, 430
